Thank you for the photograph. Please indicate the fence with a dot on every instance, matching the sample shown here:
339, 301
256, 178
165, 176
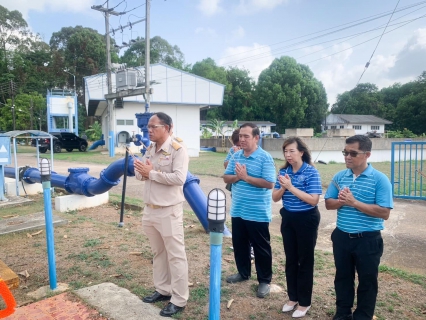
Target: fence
408, 170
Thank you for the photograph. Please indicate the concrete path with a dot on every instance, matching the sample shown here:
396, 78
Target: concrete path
118, 303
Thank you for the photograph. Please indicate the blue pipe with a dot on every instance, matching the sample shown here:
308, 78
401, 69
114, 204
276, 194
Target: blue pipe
216, 240
96, 144
50, 239
198, 201
79, 182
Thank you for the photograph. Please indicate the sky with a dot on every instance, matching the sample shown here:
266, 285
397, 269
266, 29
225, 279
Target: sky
334, 38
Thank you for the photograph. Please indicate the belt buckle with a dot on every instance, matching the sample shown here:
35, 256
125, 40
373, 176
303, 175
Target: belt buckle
355, 235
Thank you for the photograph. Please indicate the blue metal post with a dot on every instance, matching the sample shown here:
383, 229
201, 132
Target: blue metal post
216, 240
111, 144
2, 197
50, 240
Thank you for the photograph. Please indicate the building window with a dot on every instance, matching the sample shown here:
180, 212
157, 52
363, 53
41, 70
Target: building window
342, 127
375, 127
333, 127
357, 127
124, 122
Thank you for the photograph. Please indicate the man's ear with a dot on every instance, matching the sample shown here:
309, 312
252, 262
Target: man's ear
368, 154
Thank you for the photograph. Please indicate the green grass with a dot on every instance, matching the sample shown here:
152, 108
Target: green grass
414, 278
116, 199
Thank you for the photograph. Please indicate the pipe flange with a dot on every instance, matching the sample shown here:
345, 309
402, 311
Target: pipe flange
106, 180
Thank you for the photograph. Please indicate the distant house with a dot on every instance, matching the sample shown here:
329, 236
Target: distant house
265, 127
361, 124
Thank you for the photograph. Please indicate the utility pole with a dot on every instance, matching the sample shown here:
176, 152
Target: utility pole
147, 55
110, 105
31, 114
13, 104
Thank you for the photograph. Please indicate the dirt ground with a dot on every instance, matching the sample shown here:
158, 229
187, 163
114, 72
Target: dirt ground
90, 249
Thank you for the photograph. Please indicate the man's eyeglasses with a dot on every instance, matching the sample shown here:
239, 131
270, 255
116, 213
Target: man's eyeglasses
155, 126
352, 153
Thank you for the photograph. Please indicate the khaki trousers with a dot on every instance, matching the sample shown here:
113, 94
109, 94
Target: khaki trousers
164, 229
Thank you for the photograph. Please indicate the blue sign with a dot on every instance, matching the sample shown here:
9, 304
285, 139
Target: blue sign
5, 150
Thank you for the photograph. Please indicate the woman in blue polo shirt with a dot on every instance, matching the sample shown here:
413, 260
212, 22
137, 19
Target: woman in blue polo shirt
299, 187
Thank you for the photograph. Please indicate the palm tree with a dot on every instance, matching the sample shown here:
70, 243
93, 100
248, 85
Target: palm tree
216, 126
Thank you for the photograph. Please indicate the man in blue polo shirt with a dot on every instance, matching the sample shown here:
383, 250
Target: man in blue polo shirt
363, 199
252, 174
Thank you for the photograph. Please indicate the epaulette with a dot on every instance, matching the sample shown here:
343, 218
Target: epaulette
178, 139
176, 145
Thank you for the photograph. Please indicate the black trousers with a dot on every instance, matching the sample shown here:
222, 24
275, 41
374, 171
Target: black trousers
244, 233
360, 252
300, 232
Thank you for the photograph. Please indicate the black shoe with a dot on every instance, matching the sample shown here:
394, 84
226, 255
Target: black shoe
155, 297
263, 290
235, 278
170, 310
343, 317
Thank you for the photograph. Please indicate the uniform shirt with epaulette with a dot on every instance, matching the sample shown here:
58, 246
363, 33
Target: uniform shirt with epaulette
170, 166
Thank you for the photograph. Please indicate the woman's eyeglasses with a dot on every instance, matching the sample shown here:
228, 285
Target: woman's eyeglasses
353, 154
155, 126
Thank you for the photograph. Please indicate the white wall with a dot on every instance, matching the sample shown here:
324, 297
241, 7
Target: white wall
186, 121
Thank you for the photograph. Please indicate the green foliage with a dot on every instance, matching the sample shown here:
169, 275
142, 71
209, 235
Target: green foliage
400, 134
94, 132
161, 51
290, 95
28, 109
216, 126
206, 133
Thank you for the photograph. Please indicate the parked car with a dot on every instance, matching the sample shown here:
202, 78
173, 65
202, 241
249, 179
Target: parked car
61, 140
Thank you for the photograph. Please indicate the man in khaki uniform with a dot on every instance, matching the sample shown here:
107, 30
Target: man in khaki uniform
164, 168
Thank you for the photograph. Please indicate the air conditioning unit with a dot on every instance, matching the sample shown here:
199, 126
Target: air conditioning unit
126, 79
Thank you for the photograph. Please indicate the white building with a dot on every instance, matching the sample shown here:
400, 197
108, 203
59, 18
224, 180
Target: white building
360, 123
265, 127
179, 94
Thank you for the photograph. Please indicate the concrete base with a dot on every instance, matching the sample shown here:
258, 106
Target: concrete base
28, 222
119, 303
10, 188
43, 292
77, 202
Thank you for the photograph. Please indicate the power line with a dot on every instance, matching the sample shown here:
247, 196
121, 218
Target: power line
368, 63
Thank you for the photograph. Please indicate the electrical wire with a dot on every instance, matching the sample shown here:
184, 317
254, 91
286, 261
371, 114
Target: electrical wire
368, 63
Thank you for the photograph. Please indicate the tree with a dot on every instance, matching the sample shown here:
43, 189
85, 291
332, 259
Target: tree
216, 126
161, 51
28, 108
14, 32
363, 99
289, 94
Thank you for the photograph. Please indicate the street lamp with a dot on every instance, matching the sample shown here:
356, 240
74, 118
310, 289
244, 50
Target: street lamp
65, 70
216, 215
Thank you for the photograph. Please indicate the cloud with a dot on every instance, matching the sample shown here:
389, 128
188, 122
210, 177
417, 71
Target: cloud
206, 31
238, 33
251, 6
410, 61
254, 58
209, 7
25, 6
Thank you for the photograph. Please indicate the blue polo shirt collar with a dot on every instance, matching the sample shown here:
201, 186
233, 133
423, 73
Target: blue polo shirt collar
254, 155
302, 168
368, 171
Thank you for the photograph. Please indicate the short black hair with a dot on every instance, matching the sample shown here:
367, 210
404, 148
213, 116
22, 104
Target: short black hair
164, 119
255, 130
364, 142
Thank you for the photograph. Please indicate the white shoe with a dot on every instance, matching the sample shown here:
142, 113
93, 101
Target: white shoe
300, 313
287, 308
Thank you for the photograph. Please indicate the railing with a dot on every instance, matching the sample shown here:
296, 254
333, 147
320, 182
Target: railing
408, 170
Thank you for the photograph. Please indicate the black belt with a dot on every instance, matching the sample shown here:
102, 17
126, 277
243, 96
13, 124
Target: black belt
364, 234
